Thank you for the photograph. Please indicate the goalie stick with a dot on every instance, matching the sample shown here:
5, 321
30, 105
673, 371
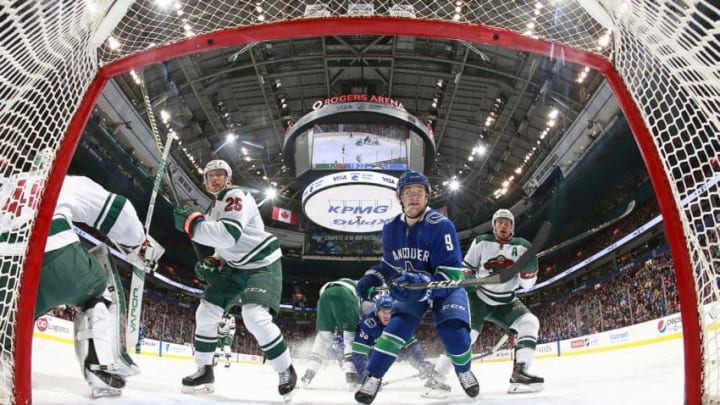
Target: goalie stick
589, 232
495, 278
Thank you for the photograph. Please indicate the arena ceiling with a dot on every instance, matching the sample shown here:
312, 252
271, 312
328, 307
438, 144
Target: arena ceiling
254, 91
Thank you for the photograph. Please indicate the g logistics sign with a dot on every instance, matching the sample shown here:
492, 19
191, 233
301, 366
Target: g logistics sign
356, 201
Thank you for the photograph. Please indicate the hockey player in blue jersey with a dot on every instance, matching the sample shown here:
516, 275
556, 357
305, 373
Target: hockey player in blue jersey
369, 331
419, 245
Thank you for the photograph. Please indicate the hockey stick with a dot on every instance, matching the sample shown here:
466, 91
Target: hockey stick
589, 232
495, 278
400, 379
137, 283
176, 200
504, 338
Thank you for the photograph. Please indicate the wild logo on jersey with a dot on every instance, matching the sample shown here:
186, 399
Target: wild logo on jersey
498, 263
501, 261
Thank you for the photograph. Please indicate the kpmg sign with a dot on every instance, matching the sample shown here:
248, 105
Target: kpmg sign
356, 201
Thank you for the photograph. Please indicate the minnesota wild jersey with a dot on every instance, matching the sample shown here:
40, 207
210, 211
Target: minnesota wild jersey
487, 256
227, 326
234, 227
83, 200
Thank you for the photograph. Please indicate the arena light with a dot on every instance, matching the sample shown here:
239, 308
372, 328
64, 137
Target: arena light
316, 10
402, 10
360, 9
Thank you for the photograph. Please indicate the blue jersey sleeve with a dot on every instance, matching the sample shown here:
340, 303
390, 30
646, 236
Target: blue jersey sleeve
446, 255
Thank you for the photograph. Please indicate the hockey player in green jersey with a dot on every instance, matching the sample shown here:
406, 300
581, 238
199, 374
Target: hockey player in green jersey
498, 303
338, 308
244, 266
226, 335
72, 275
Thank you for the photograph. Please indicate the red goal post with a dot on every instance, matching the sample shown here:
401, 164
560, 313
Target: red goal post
662, 61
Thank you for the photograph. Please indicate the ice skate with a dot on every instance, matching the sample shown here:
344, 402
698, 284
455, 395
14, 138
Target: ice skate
469, 383
201, 381
104, 384
435, 387
523, 382
368, 390
227, 364
352, 380
307, 377
288, 383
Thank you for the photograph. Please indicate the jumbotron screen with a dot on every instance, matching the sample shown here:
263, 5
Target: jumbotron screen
359, 147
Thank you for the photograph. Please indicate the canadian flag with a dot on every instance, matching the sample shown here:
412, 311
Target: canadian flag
284, 215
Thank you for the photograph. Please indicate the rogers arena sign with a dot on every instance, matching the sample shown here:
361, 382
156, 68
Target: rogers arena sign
357, 201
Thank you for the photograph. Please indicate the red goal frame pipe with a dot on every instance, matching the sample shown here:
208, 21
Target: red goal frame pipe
378, 26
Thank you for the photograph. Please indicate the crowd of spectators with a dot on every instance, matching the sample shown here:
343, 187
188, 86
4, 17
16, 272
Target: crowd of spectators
568, 257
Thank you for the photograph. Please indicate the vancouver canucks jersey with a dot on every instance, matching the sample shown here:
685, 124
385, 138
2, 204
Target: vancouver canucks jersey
234, 227
368, 331
83, 200
487, 256
430, 246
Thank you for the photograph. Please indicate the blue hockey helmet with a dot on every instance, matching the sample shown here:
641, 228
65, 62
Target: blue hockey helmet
412, 177
384, 302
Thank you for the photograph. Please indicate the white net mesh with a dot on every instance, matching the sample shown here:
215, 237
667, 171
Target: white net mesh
667, 54
148, 25
46, 69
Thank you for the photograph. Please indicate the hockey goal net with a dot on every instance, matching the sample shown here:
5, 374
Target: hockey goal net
662, 59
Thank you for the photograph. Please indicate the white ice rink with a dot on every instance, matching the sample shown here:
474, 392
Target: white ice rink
651, 374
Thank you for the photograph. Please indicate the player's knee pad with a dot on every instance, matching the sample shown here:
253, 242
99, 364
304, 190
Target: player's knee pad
258, 321
207, 317
455, 336
348, 338
526, 326
322, 341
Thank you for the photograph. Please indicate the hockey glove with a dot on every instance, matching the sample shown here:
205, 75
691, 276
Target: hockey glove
186, 218
367, 286
208, 269
142, 257
402, 294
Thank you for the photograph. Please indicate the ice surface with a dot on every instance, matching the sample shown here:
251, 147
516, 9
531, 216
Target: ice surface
651, 374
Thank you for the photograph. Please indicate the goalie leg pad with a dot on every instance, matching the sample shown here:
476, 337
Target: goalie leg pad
97, 341
116, 310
